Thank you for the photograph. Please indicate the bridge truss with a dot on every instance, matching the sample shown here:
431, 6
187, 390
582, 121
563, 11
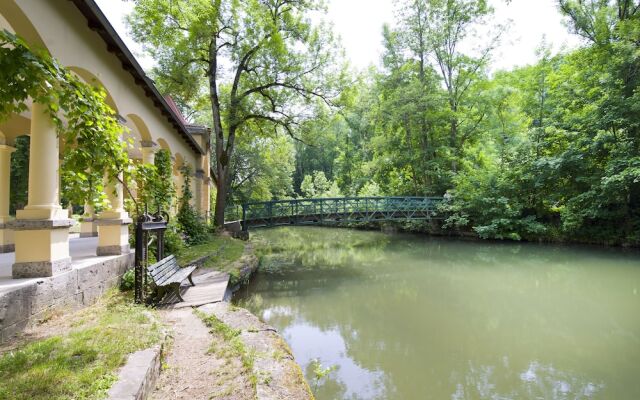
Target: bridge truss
338, 210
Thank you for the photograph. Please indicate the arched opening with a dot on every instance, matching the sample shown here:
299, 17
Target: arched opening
93, 80
16, 125
19, 178
13, 19
164, 145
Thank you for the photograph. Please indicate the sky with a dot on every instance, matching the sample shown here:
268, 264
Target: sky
359, 25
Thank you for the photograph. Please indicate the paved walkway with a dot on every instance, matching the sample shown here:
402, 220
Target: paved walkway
199, 365
210, 287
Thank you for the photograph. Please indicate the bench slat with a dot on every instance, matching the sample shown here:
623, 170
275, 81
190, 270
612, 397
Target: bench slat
169, 270
178, 277
162, 264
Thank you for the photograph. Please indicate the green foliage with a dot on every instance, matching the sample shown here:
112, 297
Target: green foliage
370, 189
154, 183
83, 362
262, 169
319, 186
548, 151
163, 190
244, 67
128, 280
221, 254
19, 174
320, 372
78, 110
173, 241
190, 223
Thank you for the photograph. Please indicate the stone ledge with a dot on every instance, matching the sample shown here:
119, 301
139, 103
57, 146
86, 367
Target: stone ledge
137, 378
272, 356
39, 224
23, 305
125, 221
7, 248
88, 234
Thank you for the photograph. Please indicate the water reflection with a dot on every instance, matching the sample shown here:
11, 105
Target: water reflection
536, 382
407, 317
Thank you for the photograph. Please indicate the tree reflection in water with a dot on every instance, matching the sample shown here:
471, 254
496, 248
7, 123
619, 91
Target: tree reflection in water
412, 317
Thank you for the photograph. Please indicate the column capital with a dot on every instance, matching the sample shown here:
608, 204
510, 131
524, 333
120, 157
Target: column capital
148, 143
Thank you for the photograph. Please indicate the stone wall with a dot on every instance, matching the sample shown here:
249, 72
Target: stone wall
25, 304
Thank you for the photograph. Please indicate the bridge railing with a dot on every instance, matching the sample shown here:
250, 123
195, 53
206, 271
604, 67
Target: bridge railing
280, 212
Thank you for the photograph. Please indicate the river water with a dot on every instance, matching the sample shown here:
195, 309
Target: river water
412, 317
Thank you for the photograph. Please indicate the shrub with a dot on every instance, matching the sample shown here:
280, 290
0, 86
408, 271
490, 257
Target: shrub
191, 225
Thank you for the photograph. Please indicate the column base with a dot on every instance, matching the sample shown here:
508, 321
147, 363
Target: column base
42, 247
7, 244
112, 250
7, 248
88, 228
39, 269
113, 236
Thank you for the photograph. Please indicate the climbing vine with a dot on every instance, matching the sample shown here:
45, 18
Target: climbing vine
164, 191
89, 128
190, 223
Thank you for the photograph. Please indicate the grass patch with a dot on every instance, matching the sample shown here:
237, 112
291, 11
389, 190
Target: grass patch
82, 362
234, 345
223, 250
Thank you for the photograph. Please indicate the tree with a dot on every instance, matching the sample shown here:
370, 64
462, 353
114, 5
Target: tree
435, 30
262, 169
263, 62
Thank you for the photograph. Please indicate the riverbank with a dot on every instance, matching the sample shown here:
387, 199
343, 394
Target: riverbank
434, 229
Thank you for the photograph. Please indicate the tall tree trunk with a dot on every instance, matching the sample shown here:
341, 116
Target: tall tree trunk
221, 196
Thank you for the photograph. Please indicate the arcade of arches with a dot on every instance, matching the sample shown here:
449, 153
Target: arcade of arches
78, 35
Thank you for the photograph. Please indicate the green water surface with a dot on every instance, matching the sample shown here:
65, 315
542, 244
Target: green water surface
412, 317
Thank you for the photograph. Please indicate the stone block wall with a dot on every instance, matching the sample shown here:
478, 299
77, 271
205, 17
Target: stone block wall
26, 304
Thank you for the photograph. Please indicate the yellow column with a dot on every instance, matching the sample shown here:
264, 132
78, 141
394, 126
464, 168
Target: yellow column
6, 234
113, 231
148, 152
41, 230
43, 169
88, 227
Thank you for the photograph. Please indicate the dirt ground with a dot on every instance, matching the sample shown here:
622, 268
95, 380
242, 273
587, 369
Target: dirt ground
197, 365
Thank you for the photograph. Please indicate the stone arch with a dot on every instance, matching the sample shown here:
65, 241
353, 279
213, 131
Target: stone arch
93, 80
14, 19
142, 128
16, 125
164, 145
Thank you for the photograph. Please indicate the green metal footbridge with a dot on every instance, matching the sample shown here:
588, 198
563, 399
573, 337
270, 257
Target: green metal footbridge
326, 211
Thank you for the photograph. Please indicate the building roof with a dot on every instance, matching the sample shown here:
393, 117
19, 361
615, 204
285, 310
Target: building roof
99, 23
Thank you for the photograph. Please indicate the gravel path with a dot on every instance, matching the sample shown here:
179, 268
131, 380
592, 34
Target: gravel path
197, 366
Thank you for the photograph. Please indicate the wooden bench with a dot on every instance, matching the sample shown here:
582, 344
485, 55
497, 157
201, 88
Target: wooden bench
166, 273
